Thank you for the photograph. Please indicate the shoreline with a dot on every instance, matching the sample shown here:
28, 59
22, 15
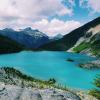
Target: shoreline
15, 80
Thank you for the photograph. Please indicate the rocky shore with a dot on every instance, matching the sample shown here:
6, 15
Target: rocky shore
17, 86
91, 65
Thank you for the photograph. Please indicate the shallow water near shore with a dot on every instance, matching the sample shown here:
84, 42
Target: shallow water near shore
47, 64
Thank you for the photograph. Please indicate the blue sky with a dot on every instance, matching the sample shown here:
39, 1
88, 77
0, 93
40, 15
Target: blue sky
82, 14
49, 16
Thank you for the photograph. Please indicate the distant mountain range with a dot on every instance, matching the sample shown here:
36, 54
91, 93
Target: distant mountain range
84, 39
28, 37
56, 37
14, 41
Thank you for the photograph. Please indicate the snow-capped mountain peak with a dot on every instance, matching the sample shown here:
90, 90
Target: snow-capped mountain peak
34, 32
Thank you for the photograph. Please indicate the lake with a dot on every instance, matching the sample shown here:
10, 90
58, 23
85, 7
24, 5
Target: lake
47, 64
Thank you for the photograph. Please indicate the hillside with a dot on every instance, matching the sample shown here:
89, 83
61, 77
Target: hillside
9, 46
89, 45
79, 35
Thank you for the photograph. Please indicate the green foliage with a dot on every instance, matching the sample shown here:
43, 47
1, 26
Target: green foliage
51, 81
96, 92
97, 81
82, 46
96, 47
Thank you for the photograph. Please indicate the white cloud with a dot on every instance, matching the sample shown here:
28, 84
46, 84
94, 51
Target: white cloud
56, 26
35, 13
35, 9
51, 28
92, 5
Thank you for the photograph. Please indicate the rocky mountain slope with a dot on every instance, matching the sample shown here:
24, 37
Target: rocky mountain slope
83, 39
27, 37
90, 42
8, 45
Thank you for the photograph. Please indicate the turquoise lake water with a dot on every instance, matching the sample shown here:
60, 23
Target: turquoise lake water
47, 64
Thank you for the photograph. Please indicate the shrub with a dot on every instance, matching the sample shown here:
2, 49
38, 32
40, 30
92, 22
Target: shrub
96, 92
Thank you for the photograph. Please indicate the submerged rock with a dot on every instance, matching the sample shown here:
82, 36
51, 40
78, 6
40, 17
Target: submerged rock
70, 60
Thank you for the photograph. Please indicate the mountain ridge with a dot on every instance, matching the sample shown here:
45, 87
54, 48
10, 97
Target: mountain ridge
27, 37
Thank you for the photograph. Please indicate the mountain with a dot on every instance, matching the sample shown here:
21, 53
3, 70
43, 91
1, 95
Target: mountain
88, 36
8, 45
27, 37
57, 37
